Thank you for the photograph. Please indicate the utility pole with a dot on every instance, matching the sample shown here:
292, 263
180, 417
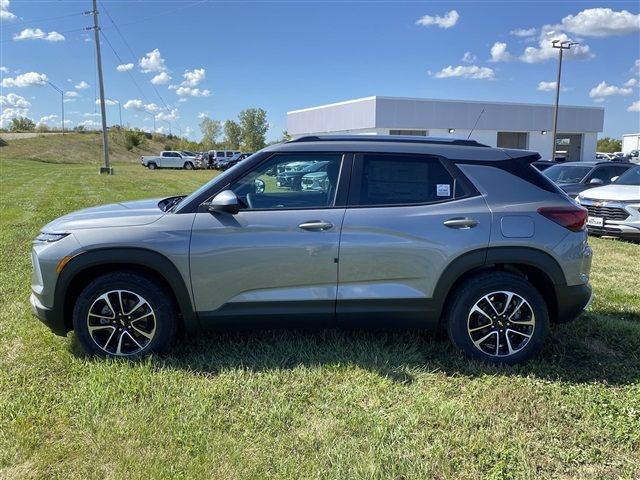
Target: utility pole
61, 92
562, 46
106, 168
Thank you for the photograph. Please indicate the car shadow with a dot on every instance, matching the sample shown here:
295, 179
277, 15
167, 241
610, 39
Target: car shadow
595, 348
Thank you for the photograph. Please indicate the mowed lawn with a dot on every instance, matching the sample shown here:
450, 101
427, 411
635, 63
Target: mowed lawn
304, 404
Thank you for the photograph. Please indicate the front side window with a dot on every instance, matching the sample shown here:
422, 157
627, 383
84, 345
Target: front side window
290, 181
401, 180
229, 154
566, 173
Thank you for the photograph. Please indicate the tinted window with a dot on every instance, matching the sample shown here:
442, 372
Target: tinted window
272, 186
402, 180
606, 173
567, 173
630, 177
229, 154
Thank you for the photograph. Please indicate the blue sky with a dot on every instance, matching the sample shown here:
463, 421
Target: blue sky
217, 58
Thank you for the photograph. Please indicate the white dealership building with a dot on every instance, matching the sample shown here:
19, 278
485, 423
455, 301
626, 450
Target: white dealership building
509, 125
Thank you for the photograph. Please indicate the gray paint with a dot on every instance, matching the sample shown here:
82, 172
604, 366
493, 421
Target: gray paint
417, 113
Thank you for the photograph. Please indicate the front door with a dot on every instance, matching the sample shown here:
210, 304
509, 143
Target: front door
277, 256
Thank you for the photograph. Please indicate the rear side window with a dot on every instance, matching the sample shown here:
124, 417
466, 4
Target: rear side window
229, 154
401, 180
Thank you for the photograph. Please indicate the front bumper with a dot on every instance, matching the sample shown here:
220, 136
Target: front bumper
48, 316
611, 214
572, 301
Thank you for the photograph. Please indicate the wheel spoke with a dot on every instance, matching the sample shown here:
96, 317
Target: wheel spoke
135, 341
506, 336
120, 302
119, 349
100, 327
490, 302
142, 332
105, 297
104, 347
141, 302
520, 333
480, 341
507, 302
477, 309
471, 330
141, 317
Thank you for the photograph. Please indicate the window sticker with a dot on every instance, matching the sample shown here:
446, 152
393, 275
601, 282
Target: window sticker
443, 190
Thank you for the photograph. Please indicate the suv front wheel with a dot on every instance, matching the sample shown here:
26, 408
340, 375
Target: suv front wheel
124, 315
498, 318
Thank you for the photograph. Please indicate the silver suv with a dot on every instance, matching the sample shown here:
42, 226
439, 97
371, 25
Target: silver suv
427, 233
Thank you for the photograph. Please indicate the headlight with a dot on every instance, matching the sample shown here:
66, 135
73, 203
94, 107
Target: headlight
50, 237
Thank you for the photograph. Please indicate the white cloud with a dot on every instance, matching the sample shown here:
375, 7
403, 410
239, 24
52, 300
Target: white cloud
549, 87
188, 131
125, 67
13, 106
202, 115
467, 71
632, 82
152, 62
168, 116
69, 100
4, 69
107, 102
37, 34
468, 57
524, 32
82, 85
634, 107
5, 14
71, 94
89, 124
28, 79
604, 90
499, 53
182, 100
47, 119
602, 22
598, 100
134, 105
152, 107
193, 78
161, 78
636, 67
545, 50
192, 92
447, 21
90, 115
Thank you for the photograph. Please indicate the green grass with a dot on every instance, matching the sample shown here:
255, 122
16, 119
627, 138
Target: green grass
304, 404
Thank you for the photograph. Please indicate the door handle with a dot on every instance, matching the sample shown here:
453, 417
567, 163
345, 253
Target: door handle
316, 226
461, 223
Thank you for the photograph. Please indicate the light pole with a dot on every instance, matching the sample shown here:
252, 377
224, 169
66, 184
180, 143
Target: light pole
119, 109
153, 115
561, 46
62, 102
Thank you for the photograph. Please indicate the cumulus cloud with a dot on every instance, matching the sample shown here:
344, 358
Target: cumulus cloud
202, 115
28, 79
524, 32
192, 92
71, 94
549, 87
37, 34
636, 67
152, 62
161, 79
448, 20
468, 57
634, 107
182, 100
13, 106
47, 119
14, 101
140, 106
125, 67
499, 53
545, 51
82, 85
4, 69
193, 78
107, 102
168, 116
5, 14
466, 71
632, 82
604, 90
601, 22
89, 124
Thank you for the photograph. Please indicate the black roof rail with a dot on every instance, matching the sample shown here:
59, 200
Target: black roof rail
388, 138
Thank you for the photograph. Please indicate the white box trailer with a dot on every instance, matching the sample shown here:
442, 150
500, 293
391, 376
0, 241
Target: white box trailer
630, 142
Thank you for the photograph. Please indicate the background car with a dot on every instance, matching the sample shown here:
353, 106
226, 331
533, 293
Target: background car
574, 177
227, 163
292, 176
614, 209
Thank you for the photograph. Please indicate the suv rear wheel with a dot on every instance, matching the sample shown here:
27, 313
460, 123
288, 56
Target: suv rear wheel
188, 166
124, 315
498, 318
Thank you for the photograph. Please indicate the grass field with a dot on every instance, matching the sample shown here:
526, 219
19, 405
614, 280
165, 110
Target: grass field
304, 404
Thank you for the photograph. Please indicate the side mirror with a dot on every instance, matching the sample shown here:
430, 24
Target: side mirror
259, 185
613, 179
596, 181
225, 201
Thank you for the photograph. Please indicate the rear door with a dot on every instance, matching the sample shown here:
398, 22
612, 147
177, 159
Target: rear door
278, 255
407, 218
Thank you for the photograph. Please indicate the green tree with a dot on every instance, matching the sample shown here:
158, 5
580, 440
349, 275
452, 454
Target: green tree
609, 145
211, 130
22, 124
253, 122
232, 135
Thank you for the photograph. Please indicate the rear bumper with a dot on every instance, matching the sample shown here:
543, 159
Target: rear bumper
572, 301
49, 317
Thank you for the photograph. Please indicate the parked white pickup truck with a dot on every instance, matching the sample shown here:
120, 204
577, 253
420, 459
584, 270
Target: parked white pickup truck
169, 159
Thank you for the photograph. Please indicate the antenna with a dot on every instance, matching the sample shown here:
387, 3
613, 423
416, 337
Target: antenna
475, 124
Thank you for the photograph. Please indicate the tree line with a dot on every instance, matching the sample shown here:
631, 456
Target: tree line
248, 133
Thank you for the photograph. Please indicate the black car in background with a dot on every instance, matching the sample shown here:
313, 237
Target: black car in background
574, 177
291, 177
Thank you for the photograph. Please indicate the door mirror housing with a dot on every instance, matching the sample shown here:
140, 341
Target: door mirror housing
259, 185
596, 181
226, 201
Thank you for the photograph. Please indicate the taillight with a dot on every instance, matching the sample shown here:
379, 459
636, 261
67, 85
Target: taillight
573, 218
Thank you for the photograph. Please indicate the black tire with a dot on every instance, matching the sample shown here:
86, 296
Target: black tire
188, 166
510, 326
152, 166
160, 324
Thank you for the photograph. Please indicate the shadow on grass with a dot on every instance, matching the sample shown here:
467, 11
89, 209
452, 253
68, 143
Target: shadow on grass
603, 347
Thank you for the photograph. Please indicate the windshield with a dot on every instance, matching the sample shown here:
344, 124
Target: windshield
630, 177
567, 173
